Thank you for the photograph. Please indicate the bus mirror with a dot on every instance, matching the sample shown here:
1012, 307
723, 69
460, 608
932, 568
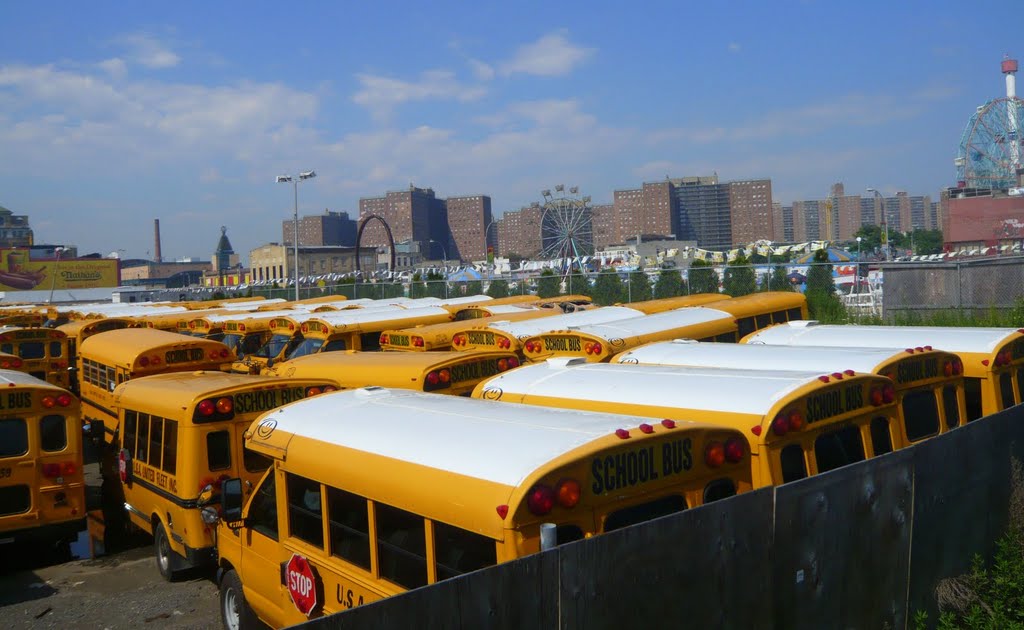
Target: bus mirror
205, 495
270, 362
231, 501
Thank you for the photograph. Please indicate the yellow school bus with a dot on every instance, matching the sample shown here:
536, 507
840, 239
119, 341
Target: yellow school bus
439, 336
510, 335
178, 322
183, 433
23, 320
759, 310
42, 490
376, 491
44, 352
454, 373
993, 358
11, 362
661, 305
929, 384
797, 423
110, 358
497, 306
600, 342
80, 330
354, 330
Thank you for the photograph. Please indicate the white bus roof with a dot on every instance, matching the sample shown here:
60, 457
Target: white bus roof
713, 389
811, 333
461, 435
531, 327
10, 378
659, 322
468, 299
823, 359
504, 309
364, 315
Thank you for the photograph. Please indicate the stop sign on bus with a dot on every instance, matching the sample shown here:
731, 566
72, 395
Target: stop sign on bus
301, 583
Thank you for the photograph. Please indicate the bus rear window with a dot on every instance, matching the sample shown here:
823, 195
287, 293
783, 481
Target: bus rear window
950, 406
793, 465
401, 547
335, 345
972, 395
1006, 389
920, 414
719, 489
839, 448
881, 439
13, 437
53, 433
459, 551
369, 341
55, 349
644, 512
253, 461
218, 449
15, 499
32, 350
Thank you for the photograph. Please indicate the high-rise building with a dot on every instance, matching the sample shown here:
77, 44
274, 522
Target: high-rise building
327, 229
14, 229
413, 214
603, 221
702, 214
468, 218
750, 209
519, 231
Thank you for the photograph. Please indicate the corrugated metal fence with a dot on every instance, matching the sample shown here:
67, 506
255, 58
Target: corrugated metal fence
973, 286
860, 547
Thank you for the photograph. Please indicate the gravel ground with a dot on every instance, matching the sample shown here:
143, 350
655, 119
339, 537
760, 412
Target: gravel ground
123, 590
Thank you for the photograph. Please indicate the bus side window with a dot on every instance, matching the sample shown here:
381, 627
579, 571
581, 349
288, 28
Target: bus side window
951, 407
156, 439
53, 433
763, 320
263, 507
1006, 390
141, 447
401, 546
839, 448
726, 338
170, 447
131, 423
55, 349
745, 326
881, 439
350, 527
793, 465
779, 317
459, 551
218, 450
335, 345
794, 314
972, 391
369, 341
7, 347
305, 510
13, 437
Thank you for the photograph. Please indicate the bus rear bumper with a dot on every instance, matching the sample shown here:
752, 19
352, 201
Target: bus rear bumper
55, 532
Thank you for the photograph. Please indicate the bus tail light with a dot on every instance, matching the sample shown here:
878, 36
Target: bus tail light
947, 368
51, 471
876, 396
597, 348
568, 492
313, 391
417, 342
588, 347
154, 361
330, 388
385, 339
225, 405
888, 393
241, 328
714, 454
540, 499
48, 401
796, 420
206, 407
502, 365
13, 363
459, 340
304, 328
445, 375
144, 361
780, 425
57, 471
223, 353
63, 400
735, 449
68, 468
434, 380
513, 362
958, 366
504, 343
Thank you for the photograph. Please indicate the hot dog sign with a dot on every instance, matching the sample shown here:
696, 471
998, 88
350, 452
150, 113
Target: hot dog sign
22, 270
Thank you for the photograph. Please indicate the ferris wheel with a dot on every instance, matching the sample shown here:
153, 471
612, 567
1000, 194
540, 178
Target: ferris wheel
990, 146
565, 228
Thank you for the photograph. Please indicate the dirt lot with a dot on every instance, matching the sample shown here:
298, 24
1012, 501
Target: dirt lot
123, 590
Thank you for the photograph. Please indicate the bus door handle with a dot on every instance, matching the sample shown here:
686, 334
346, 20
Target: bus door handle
28, 463
283, 581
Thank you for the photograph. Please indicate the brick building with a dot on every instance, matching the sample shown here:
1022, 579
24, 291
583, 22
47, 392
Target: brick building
468, 217
519, 231
415, 214
327, 229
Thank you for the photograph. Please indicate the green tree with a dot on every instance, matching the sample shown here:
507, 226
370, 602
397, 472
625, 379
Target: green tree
870, 238
703, 278
639, 289
822, 301
778, 280
927, 242
498, 288
578, 284
417, 288
436, 285
669, 284
608, 287
740, 278
474, 287
548, 284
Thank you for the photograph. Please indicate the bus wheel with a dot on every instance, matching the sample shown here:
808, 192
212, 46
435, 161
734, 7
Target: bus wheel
235, 613
167, 561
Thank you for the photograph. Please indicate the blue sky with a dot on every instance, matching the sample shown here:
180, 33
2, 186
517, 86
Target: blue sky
113, 114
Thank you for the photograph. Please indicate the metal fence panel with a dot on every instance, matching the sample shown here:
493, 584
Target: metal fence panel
842, 546
704, 568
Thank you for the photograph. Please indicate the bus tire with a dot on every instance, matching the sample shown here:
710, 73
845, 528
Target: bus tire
168, 562
235, 613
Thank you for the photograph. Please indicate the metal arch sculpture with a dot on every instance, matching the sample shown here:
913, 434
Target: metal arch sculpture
359, 239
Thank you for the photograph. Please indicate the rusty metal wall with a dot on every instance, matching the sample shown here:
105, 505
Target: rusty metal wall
862, 546
976, 286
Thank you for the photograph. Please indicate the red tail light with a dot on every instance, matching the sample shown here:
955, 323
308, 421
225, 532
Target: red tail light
51, 470
154, 360
458, 340
445, 376
417, 342
540, 499
304, 328
225, 405
49, 401
876, 396
313, 391
273, 324
330, 388
568, 492
597, 348
513, 362
68, 468
291, 326
17, 363
947, 368
796, 420
385, 339
206, 407
780, 425
64, 400
241, 328
504, 343
958, 367
888, 393
223, 353
735, 449
588, 347
144, 361
502, 365
433, 378
213, 354
714, 454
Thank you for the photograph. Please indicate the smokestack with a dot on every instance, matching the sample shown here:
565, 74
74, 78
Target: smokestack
156, 237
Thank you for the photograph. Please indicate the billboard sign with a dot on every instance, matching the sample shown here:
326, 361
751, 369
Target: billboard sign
20, 272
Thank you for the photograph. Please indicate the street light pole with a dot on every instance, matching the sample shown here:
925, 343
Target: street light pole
885, 224
857, 280
294, 181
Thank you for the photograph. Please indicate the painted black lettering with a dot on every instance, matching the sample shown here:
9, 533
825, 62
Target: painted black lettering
632, 468
620, 470
595, 472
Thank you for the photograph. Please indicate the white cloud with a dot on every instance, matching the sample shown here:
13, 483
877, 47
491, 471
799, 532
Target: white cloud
550, 56
115, 67
381, 95
147, 50
481, 70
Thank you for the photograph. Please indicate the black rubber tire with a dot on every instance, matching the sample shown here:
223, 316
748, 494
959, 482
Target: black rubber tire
168, 562
232, 599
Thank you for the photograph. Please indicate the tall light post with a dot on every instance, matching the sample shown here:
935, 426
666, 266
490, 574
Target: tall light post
294, 181
885, 224
487, 242
443, 252
56, 266
857, 279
